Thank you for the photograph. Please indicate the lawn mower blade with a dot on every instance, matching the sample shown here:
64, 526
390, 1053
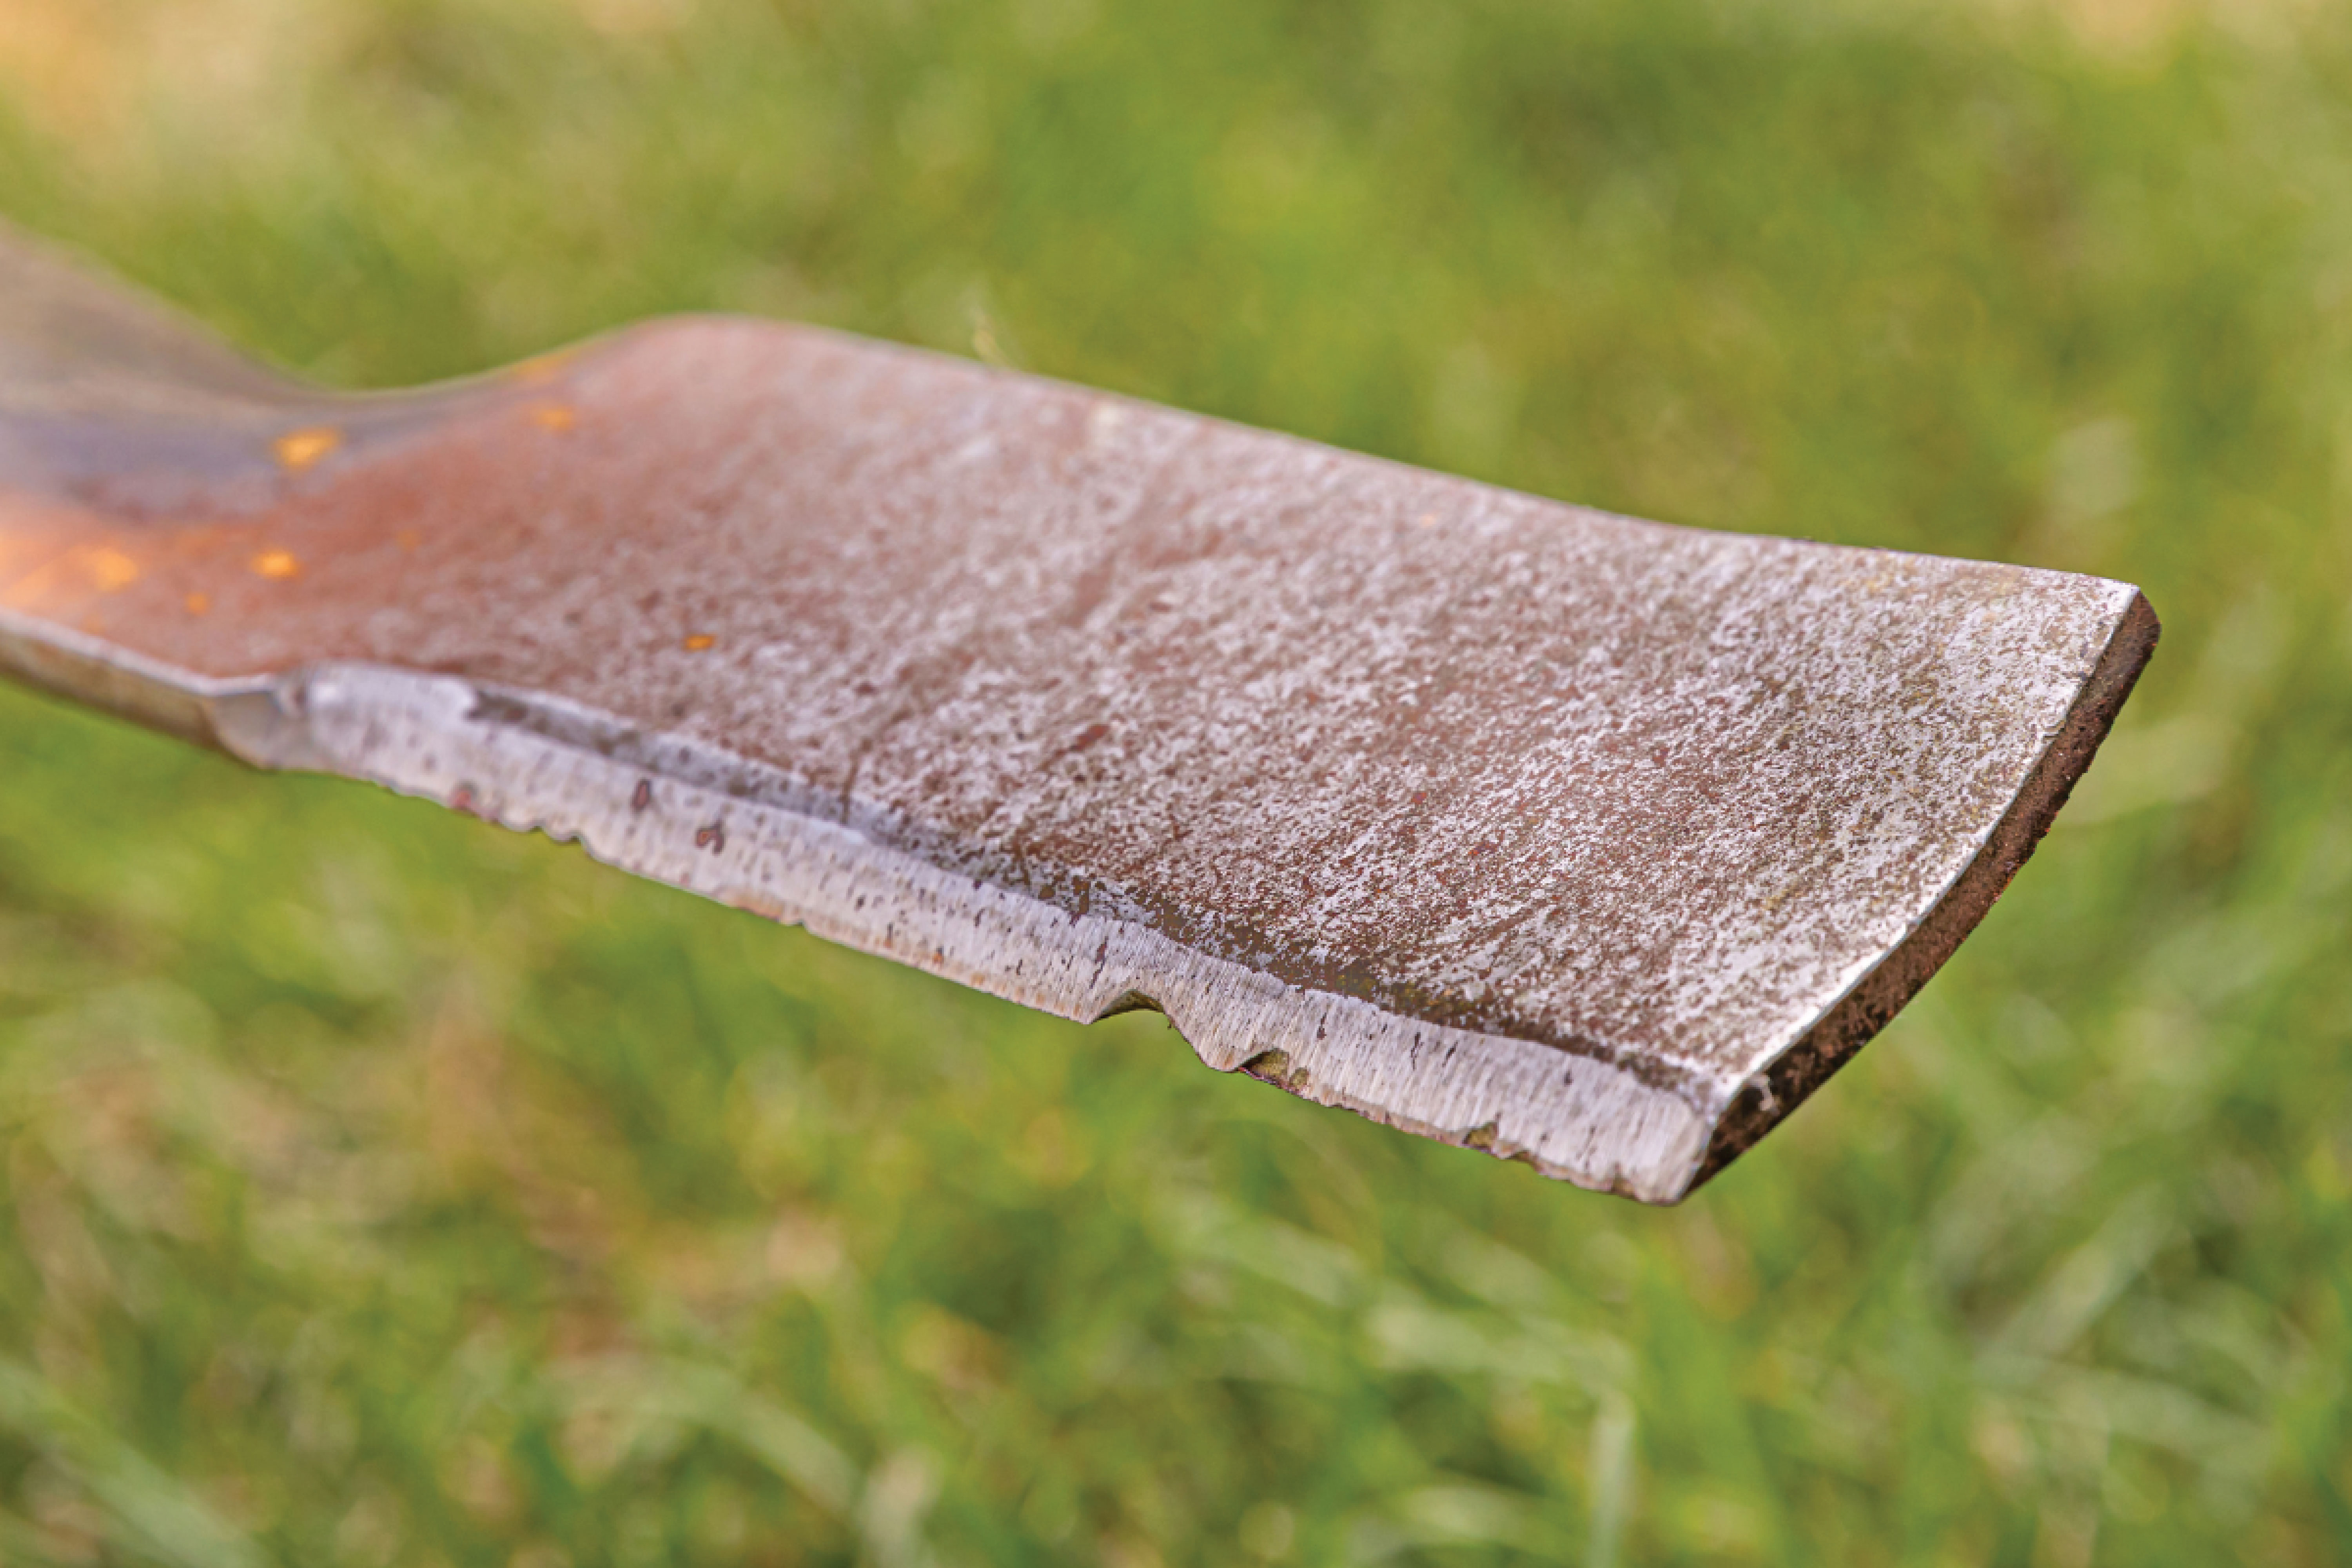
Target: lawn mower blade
1591, 843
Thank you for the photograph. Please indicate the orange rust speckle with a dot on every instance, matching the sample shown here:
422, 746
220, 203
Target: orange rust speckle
277, 565
699, 641
110, 571
408, 539
297, 450
539, 372
555, 417
198, 604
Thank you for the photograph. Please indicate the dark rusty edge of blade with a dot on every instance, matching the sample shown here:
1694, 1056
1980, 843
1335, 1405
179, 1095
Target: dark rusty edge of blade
1789, 1079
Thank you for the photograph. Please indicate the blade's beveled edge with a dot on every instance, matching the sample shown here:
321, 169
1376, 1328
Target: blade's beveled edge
678, 812
1791, 1077
1572, 1118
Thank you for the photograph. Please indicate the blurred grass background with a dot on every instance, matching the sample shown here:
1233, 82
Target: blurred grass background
378, 1188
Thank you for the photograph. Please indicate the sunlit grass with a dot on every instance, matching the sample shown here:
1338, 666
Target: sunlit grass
382, 1188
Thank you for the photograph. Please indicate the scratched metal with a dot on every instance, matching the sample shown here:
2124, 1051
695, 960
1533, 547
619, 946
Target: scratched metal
1589, 842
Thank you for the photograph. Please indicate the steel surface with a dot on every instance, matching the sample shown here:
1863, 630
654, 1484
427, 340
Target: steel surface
1586, 841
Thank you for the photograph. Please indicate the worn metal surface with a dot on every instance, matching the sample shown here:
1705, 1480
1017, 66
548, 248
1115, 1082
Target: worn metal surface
1587, 841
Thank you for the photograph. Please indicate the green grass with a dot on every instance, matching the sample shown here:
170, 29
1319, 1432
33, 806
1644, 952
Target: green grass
375, 1187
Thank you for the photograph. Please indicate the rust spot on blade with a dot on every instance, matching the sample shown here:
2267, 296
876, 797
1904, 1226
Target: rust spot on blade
277, 565
555, 417
300, 449
110, 571
544, 370
699, 642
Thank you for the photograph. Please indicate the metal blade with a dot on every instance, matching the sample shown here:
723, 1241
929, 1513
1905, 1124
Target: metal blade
1585, 841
